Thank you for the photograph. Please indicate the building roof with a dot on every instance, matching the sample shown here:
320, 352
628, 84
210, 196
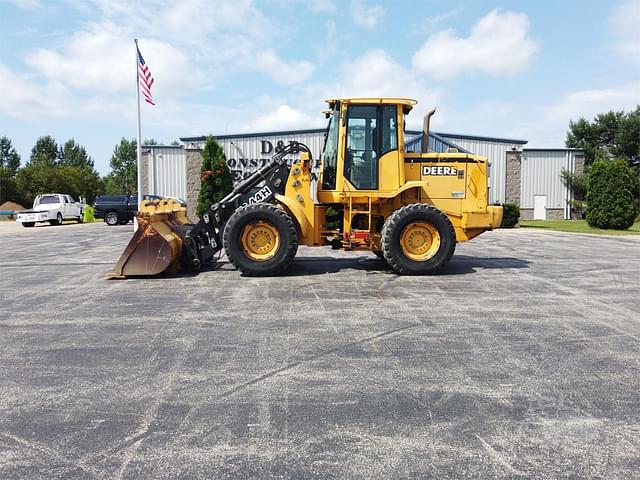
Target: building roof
436, 144
203, 138
438, 135
551, 149
483, 139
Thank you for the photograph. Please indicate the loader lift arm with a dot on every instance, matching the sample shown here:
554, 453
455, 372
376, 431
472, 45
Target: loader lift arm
204, 240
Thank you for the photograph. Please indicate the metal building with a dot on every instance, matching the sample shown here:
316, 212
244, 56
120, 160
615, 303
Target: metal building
165, 173
533, 180
543, 195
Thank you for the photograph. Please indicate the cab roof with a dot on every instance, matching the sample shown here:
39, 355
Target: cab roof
407, 102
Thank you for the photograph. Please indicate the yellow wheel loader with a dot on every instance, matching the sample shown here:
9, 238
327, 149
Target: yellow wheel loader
365, 192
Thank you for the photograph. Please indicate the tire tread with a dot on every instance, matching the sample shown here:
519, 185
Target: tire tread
391, 251
292, 246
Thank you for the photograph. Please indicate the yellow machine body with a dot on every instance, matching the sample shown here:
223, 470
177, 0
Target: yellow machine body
454, 183
155, 247
364, 192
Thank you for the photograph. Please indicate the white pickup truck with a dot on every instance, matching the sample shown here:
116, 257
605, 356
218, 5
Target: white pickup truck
53, 208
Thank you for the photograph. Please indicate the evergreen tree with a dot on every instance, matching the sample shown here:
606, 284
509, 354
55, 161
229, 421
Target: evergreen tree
44, 153
74, 155
216, 181
9, 164
613, 188
9, 158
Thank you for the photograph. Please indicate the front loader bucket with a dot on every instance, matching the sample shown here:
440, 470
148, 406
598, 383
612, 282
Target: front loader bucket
156, 246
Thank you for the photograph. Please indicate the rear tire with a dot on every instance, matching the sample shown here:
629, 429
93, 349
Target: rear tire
260, 240
111, 219
80, 219
418, 239
57, 221
28, 224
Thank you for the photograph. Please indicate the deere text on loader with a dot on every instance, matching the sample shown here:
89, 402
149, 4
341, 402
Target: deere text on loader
365, 192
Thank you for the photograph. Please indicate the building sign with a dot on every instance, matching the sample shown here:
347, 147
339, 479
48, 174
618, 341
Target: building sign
242, 166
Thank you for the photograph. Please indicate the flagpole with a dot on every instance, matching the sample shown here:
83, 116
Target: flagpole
139, 141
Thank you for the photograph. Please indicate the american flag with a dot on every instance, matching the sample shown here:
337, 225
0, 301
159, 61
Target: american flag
146, 79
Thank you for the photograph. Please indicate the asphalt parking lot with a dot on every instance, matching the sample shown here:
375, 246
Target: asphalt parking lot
521, 361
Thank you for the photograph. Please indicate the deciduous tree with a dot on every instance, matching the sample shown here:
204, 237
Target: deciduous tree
611, 134
124, 169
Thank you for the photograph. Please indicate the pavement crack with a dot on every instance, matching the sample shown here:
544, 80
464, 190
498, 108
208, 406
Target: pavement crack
290, 366
52, 453
498, 457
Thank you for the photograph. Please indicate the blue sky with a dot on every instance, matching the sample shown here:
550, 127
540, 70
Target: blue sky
515, 69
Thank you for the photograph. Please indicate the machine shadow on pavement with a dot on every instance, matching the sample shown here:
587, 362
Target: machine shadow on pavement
459, 264
305, 266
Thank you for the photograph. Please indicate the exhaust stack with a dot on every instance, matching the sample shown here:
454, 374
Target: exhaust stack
424, 147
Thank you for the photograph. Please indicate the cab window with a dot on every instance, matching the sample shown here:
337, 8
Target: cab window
372, 131
330, 152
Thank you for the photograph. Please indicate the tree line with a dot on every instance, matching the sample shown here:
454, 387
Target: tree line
65, 168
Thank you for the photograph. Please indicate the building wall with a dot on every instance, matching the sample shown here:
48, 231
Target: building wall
516, 176
247, 153
551, 214
164, 171
541, 175
193, 162
513, 166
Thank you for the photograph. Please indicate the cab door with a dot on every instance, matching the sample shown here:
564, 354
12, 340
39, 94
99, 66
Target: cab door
371, 150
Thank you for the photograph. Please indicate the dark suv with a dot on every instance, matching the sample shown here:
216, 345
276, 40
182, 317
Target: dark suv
118, 209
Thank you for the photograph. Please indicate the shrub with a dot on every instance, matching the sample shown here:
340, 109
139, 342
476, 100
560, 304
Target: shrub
216, 181
510, 215
613, 187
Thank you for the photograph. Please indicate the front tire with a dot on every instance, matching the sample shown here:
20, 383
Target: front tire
111, 219
260, 240
418, 239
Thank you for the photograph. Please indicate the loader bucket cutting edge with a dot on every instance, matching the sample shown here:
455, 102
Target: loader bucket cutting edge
154, 248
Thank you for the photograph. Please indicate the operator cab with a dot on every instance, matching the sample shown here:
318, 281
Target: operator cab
370, 156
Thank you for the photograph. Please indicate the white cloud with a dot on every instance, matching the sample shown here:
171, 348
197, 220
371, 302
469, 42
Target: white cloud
283, 118
588, 103
366, 16
283, 72
322, 6
430, 23
543, 125
625, 27
194, 20
498, 45
377, 74
102, 60
326, 49
24, 4
22, 98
